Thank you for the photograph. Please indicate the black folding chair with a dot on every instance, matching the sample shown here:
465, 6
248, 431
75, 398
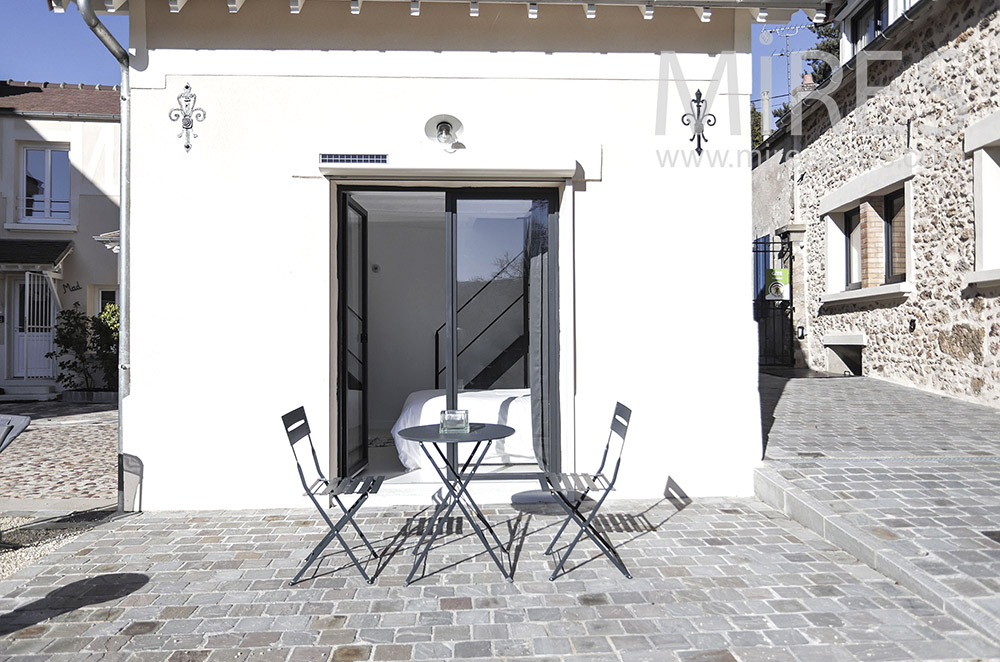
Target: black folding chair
571, 489
297, 428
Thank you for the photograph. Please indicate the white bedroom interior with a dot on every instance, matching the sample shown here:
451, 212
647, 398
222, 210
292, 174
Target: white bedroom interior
395, 356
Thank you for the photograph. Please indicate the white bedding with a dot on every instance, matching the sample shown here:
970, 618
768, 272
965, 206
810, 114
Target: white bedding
506, 406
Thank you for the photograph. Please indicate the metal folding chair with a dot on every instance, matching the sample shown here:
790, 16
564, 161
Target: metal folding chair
571, 489
297, 428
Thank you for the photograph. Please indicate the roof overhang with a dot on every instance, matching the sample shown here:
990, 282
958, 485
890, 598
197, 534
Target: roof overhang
33, 254
296, 6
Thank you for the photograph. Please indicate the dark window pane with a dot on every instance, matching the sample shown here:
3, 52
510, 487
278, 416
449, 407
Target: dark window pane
34, 182
59, 185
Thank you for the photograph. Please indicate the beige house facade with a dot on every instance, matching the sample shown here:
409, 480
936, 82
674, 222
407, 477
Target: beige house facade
59, 188
882, 183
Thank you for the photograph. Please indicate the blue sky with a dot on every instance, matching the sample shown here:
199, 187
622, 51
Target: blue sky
40, 45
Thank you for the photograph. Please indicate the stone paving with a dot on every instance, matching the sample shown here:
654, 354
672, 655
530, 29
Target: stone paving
718, 581
907, 481
68, 453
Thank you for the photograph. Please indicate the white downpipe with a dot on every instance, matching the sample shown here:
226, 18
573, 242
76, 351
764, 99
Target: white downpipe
120, 54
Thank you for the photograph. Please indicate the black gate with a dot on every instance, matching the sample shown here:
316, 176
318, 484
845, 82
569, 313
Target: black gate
772, 303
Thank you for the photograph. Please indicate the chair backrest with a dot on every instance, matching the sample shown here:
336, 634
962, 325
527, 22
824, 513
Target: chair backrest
616, 441
297, 429
11, 426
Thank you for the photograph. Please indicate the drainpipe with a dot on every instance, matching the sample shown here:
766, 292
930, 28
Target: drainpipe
120, 54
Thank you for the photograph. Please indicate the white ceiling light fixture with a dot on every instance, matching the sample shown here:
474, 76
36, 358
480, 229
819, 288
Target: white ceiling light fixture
706, 14
591, 10
820, 16
532, 10
474, 8
647, 12
355, 7
762, 15
414, 7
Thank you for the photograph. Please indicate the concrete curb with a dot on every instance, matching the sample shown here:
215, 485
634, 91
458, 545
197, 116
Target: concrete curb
839, 530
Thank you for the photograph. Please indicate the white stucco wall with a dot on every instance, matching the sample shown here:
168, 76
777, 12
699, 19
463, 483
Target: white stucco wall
233, 248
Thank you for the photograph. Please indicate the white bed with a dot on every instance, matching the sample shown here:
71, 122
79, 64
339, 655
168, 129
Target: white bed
507, 406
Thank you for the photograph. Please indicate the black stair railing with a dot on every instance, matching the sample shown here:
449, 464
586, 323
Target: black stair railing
437, 334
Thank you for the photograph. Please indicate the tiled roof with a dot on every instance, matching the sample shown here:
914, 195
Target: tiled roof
59, 99
33, 251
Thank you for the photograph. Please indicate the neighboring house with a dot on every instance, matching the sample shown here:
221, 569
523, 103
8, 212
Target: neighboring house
317, 188
891, 211
59, 174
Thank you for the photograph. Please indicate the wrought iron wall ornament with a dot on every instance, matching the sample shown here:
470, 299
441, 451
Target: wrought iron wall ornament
187, 114
699, 118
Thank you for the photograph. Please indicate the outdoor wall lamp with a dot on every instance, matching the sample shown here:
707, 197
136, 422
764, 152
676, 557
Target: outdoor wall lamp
532, 10
445, 131
474, 8
800, 332
647, 12
591, 10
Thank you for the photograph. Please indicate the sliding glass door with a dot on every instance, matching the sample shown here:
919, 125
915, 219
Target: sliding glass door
500, 326
486, 320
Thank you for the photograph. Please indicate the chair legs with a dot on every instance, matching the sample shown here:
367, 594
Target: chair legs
335, 528
586, 525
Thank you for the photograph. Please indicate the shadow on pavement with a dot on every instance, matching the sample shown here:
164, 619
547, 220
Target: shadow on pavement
71, 597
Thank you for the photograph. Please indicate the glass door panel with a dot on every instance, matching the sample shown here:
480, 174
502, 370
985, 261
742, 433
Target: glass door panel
502, 319
353, 451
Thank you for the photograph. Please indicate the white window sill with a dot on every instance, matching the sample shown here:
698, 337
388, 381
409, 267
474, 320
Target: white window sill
42, 226
985, 278
868, 294
853, 339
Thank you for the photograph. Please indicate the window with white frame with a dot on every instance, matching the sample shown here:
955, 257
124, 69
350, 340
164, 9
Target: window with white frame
982, 142
869, 21
894, 236
868, 234
45, 184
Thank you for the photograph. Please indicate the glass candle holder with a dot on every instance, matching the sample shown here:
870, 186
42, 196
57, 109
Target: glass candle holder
454, 420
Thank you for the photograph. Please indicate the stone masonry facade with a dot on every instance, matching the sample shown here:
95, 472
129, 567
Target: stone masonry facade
935, 334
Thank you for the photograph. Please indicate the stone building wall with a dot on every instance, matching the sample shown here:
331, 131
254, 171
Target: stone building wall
939, 337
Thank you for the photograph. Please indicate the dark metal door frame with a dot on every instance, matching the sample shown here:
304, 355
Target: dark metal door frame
347, 202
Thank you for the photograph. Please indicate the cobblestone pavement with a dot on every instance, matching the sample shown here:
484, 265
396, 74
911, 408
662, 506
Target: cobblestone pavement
907, 481
718, 581
69, 452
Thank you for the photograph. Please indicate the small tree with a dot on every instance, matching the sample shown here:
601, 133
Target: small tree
104, 344
756, 127
72, 338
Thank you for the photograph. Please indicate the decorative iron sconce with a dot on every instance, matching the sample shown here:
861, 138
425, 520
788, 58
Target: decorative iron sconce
699, 119
187, 114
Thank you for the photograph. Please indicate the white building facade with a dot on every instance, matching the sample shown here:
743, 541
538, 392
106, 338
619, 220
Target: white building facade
293, 178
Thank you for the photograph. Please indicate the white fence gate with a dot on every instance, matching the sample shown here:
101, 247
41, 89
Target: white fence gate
36, 308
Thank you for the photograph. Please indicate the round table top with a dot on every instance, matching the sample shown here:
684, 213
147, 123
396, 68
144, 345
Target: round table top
477, 432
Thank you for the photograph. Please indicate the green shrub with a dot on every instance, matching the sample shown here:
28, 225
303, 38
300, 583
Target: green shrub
85, 345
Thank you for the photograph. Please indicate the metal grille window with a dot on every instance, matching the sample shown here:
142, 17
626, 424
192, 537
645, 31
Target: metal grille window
45, 183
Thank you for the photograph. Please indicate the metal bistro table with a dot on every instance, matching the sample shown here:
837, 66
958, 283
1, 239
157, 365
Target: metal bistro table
457, 483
